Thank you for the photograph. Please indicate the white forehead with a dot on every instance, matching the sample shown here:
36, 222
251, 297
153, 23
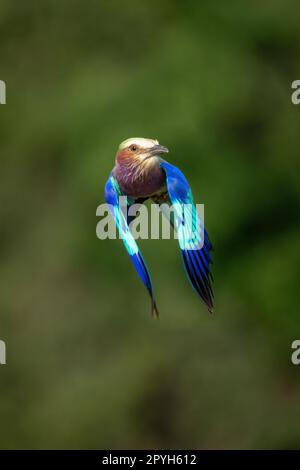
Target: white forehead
140, 141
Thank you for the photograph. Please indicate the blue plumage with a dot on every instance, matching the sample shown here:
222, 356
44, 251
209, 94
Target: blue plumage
194, 242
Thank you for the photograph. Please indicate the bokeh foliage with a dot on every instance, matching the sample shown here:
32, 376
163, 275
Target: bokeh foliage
87, 366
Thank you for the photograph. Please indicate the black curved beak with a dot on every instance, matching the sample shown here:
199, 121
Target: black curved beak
158, 149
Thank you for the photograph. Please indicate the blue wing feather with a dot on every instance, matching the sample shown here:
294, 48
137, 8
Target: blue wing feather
194, 242
112, 194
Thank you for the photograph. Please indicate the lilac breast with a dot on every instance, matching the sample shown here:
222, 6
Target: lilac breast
134, 183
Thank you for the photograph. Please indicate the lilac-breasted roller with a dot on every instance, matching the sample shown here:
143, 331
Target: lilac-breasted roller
140, 173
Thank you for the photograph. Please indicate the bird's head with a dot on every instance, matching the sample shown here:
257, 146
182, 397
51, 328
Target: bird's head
137, 150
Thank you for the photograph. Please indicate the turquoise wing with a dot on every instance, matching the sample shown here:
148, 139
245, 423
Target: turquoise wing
112, 195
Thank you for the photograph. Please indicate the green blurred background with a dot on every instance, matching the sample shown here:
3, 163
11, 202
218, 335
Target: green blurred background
87, 367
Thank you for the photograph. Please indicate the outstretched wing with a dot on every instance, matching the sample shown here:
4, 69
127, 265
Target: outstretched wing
193, 239
112, 194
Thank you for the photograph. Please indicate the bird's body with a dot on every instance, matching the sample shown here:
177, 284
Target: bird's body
140, 173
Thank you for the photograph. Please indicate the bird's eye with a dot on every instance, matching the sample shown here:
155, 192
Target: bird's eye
133, 148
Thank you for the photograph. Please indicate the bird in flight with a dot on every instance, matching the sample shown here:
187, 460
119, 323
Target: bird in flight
140, 173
